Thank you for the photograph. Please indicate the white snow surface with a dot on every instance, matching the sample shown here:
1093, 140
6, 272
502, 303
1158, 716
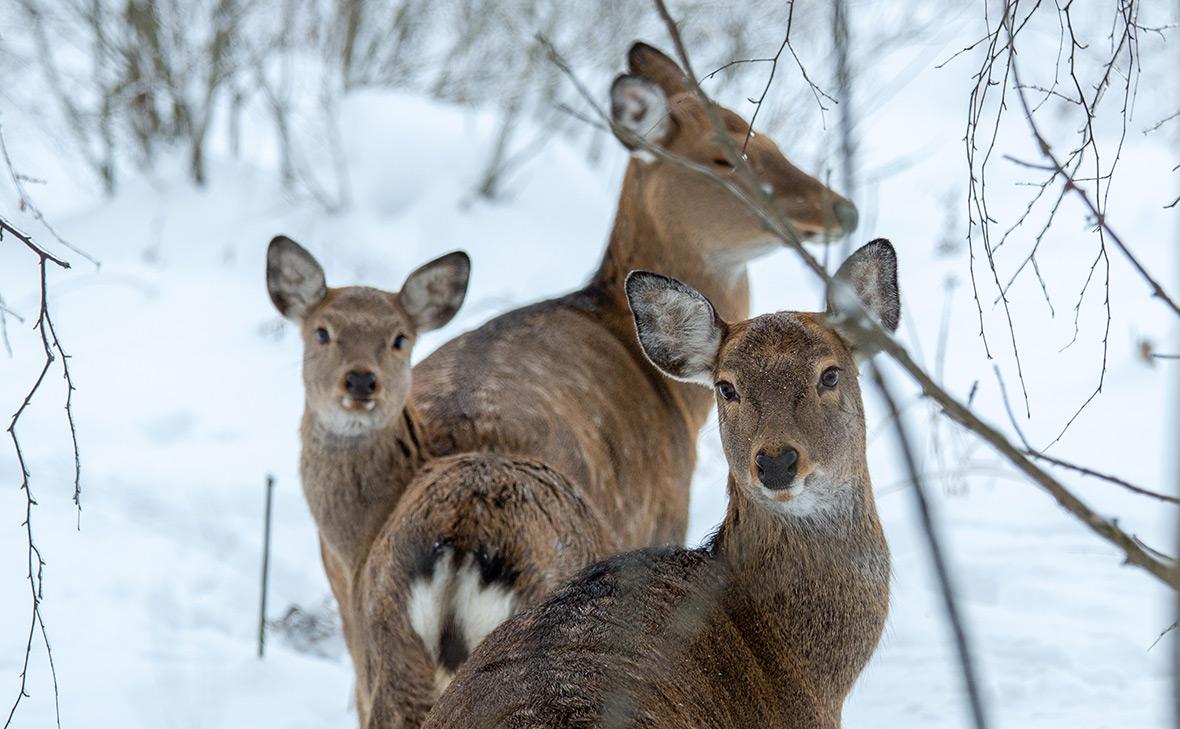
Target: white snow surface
189, 393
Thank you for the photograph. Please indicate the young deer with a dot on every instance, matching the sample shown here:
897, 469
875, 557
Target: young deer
562, 445
771, 622
361, 438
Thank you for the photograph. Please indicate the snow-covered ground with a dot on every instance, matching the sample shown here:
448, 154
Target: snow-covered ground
189, 394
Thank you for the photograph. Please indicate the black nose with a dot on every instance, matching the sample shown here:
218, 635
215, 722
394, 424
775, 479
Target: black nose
777, 472
360, 385
846, 215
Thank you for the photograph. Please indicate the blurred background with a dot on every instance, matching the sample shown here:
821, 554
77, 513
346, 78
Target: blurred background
158, 146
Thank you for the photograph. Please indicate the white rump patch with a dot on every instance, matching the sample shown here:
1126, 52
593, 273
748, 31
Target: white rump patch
426, 600
479, 608
457, 596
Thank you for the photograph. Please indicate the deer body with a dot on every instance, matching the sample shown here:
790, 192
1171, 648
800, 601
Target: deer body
713, 637
361, 442
553, 441
772, 621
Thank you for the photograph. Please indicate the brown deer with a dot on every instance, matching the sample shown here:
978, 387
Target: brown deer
558, 443
360, 433
770, 623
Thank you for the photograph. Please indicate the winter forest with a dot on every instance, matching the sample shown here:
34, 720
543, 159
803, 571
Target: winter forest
200, 199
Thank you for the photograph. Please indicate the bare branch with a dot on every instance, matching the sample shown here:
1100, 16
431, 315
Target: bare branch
1099, 215
52, 351
1105, 477
26, 203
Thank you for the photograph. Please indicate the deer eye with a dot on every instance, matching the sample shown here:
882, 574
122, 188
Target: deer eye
722, 162
400, 341
727, 391
322, 336
830, 378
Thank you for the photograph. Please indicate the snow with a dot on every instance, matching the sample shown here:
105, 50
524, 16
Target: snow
189, 393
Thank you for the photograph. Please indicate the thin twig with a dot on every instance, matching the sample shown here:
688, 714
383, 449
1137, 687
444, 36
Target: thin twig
1105, 477
26, 203
1098, 214
1160, 637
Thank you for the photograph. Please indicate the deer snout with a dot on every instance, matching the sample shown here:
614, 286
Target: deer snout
846, 215
776, 472
360, 385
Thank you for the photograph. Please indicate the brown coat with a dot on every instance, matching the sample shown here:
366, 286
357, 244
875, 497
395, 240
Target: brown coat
558, 443
771, 622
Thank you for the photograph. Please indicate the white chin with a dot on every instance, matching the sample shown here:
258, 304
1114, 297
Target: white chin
816, 498
348, 421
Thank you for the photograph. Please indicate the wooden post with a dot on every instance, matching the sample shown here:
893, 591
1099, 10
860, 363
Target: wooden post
270, 487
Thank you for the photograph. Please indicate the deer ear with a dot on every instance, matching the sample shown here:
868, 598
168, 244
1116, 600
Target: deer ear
294, 279
651, 63
641, 107
868, 280
678, 329
433, 293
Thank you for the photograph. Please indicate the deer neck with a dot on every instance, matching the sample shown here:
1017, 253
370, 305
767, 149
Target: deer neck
637, 242
352, 484
811, 593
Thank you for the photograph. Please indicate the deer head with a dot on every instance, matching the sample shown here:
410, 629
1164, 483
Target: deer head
357, 340
653, 101
788, 401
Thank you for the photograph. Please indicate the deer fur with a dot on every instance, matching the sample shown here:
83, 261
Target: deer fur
770, 623
557, 442
358, 456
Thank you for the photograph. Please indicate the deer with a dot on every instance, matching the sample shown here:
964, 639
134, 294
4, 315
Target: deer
553, 441
361, 439
772, 620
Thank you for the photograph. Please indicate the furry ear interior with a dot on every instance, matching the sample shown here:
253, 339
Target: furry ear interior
868, 280
678, 329
433, 293
294, 279
641, 107
653, 64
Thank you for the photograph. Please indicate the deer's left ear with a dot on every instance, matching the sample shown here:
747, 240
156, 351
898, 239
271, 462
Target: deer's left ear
865, 283
433, 293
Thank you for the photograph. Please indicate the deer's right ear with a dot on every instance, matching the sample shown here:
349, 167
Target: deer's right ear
678, 329
649, 62
640, 106
294, 279
866, 282
433, 293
